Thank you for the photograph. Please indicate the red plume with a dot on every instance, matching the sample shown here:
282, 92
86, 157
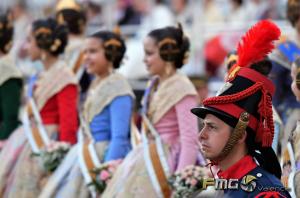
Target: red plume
257, 43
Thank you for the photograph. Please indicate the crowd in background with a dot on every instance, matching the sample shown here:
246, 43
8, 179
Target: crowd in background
213, 27
221, 25
222, 22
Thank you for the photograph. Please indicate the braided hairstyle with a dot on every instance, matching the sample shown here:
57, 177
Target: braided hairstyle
50, 36
173, 45
6, 33
113, 45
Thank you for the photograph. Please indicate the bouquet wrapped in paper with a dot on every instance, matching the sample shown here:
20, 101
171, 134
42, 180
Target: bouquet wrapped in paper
51, 156
104, 174
188, 182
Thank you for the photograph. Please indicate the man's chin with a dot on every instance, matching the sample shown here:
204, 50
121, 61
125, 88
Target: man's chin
210, 156
207, 155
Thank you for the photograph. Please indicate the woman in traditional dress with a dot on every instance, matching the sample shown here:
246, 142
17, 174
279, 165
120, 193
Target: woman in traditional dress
10, 83
292, 178
105, 121
169, 130
287, 50
50, 114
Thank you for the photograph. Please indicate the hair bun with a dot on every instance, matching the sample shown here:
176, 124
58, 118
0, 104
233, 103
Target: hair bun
6, 33
179, 26
173, 45
50, 35
292, 11
113, 44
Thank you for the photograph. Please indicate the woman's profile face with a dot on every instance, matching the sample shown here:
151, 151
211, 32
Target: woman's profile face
152, 59
294, 87
297, 26
31, 47
94, 57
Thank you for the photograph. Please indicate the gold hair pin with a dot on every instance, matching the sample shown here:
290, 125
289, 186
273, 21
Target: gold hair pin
114, 42
117, 30
169, 51
55, 45
42, 30
167, 41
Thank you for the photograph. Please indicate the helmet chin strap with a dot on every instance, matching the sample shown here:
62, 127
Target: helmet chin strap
237, 134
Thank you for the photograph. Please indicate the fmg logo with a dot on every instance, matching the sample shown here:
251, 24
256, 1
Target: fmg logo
247, 183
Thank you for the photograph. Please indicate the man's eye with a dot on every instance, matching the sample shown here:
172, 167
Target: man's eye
211, 127
149, 53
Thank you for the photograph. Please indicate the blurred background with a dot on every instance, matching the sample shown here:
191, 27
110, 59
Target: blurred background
213, 26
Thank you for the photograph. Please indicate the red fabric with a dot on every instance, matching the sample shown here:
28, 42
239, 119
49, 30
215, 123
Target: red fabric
61, 109
255, 76
239, 169
269, 194
214, 51
265, 130
236, 111
257, 43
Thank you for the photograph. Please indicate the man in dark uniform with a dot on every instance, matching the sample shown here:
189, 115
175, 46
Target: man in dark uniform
238, 124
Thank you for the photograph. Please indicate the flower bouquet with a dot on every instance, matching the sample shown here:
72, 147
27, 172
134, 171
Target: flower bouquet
188, 182
104, 174
51, 156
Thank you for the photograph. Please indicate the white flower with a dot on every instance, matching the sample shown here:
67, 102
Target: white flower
56, 146
50, 147
64, 145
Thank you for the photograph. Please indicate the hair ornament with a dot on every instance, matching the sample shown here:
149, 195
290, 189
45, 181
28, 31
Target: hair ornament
117, 30
55, 45
42, 30
167, 41
113, 42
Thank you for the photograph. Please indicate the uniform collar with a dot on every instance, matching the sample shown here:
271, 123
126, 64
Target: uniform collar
239, 169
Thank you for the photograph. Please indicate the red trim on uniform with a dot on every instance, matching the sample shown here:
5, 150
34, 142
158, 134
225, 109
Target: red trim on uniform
239, 169
257, 77
236, 111
270, 194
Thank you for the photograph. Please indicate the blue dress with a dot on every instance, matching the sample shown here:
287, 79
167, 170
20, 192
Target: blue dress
113, 125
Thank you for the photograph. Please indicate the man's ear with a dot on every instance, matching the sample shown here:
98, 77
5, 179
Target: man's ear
243, 138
